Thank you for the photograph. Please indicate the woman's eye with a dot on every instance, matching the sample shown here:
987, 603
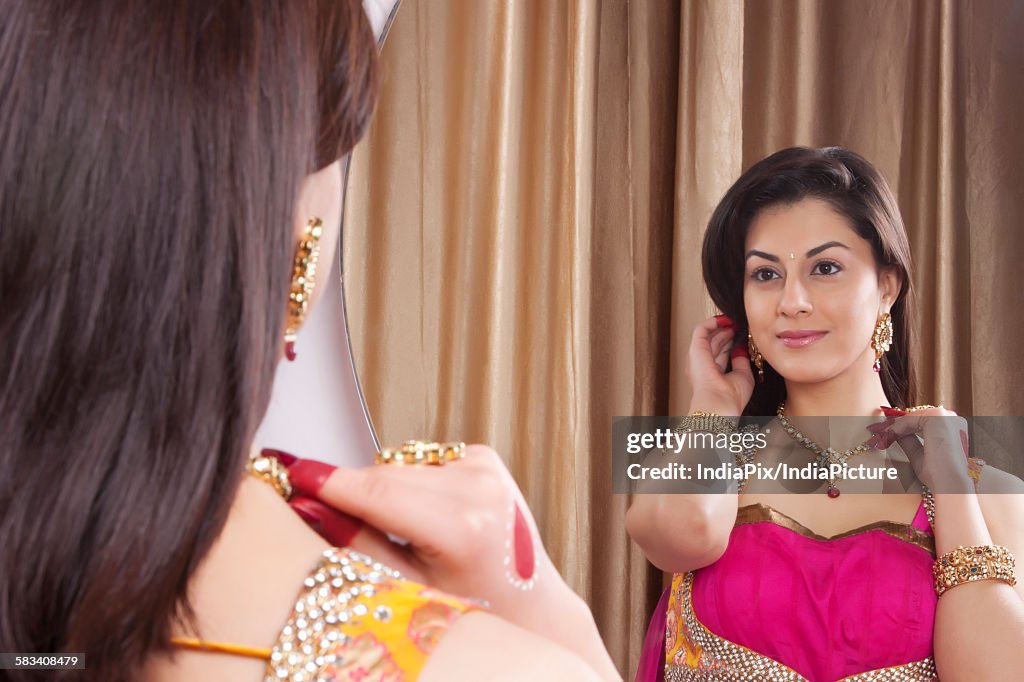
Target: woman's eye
763, 275
826, 268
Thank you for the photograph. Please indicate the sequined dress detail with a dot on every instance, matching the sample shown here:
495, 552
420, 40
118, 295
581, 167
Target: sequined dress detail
357, 620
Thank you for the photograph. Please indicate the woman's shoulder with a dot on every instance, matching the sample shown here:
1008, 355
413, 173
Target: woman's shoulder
355, 617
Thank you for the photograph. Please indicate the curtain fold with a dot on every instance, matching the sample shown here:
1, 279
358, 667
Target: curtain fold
522, 236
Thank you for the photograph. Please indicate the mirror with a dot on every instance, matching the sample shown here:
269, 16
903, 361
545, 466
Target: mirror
316, 408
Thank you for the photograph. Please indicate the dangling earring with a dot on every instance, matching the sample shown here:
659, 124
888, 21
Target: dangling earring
303, 281
881, 340
755, 357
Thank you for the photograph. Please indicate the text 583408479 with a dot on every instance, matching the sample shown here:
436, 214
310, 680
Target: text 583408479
42, 661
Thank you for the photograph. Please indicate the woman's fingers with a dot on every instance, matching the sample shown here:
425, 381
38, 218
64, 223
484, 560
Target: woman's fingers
414, 502
721, 338
335, 526
742, 375
703, 332
455, 518
908, 424
343, 530
308, 475
933, 421
934, 440
722, 358
911, 445
385, 501
721, 343
709, 339
372, 542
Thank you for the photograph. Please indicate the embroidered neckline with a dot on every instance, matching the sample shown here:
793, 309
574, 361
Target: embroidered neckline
762, 513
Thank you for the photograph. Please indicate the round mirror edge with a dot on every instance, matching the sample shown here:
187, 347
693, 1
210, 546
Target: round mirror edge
387, 24
344, 312
369, 6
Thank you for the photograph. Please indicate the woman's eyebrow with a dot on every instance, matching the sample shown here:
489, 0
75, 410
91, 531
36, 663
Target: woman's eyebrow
827, 245
761, 254
813, 252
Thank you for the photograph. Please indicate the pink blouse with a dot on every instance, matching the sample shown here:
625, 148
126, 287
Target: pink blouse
785, 603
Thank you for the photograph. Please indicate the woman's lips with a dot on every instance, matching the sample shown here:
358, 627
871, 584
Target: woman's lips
800, 339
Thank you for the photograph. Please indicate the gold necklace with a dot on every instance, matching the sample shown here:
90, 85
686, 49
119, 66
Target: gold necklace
825, 456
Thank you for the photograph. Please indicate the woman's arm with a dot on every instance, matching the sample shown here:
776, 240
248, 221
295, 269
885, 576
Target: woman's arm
979, 626
683, 531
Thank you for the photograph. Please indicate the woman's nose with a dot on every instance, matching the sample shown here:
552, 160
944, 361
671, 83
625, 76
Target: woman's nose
795, 299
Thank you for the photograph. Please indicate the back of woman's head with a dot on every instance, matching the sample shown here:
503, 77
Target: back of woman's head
856, 191
150, 158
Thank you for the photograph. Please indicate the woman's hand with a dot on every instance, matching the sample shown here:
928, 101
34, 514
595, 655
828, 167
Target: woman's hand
469, 532
715, 388
468, 528
941, 460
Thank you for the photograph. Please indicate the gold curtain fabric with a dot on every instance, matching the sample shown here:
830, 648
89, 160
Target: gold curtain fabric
522, 234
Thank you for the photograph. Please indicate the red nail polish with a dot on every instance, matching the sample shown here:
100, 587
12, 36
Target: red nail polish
740, 351
280, 455
307, 516
308, 476
338, 528
724, 321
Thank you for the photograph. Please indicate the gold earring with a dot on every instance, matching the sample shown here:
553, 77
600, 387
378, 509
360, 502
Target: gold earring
881, 339
755, 357
303, 281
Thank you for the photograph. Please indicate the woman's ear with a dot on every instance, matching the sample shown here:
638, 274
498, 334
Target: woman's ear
321, 195
890, 283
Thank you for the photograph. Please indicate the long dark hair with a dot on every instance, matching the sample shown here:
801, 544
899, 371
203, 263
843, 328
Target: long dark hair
150, 158
856, 190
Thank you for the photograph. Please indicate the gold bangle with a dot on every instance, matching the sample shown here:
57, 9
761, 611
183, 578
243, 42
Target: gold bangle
421, 452
706, 422
967, 564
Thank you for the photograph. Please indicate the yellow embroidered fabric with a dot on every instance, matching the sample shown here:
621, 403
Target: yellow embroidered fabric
356, 619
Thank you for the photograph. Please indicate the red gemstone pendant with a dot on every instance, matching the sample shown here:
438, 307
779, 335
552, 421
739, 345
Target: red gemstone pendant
289, 351
833, 492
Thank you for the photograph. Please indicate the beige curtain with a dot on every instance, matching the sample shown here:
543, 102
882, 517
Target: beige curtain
521, 248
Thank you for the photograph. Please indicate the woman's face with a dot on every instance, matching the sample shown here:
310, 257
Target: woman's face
813, 292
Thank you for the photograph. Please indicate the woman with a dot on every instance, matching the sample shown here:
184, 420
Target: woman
807, 257
162, 164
